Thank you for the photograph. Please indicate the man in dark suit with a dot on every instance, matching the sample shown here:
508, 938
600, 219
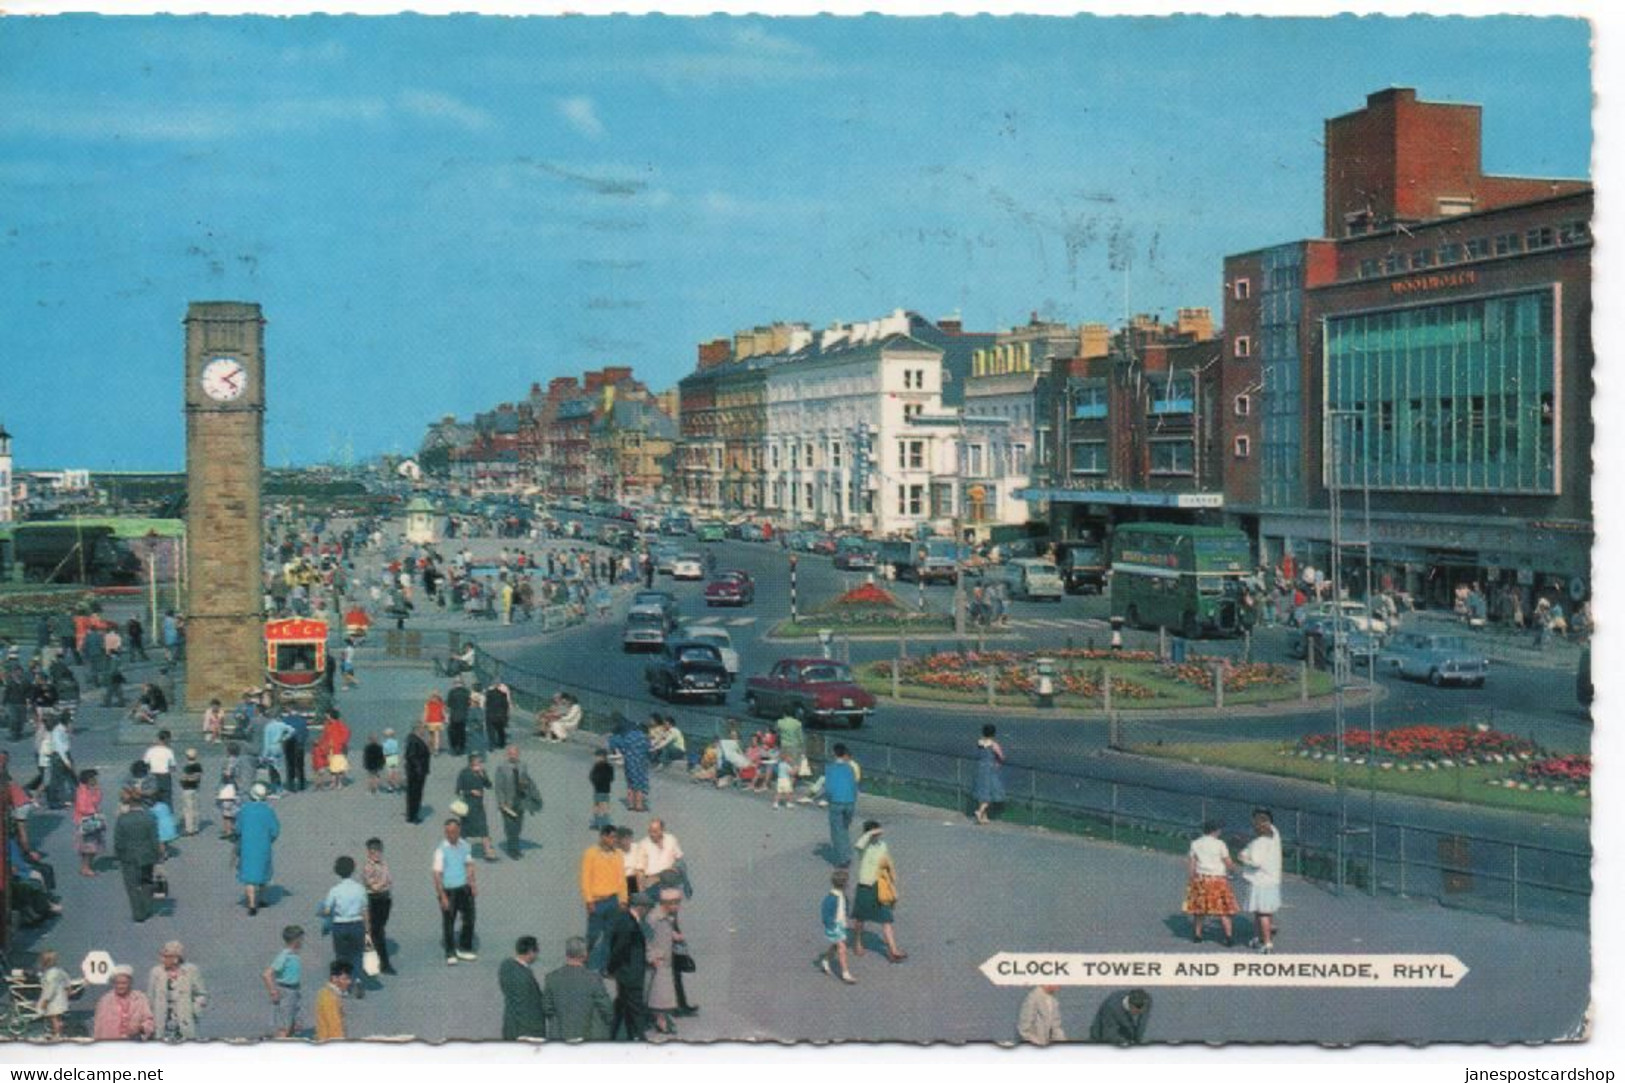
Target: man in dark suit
135, 844
1122, 1018
629, 966
498, 707
458, 702
574, 1001
418, 759
521, 996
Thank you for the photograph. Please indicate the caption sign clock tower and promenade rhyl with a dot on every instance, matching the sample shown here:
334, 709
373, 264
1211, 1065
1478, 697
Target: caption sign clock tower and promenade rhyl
225, 444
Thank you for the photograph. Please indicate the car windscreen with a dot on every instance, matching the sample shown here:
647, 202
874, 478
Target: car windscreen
826, 674
702, 655
654, 619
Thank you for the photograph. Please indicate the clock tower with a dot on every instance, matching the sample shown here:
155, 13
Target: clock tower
225, 450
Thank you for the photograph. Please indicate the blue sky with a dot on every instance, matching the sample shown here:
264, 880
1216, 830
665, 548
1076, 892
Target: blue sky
435, 213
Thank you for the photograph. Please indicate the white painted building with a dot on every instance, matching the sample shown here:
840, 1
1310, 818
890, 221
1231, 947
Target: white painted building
839, 447
1009, 383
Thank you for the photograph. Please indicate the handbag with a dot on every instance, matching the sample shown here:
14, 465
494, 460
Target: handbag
338, 763
459, 807
804, 768
681, 961
92, 824
886, 887
371, 965
160, 886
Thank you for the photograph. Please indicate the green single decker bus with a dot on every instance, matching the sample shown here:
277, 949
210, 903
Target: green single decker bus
711, 531
1188, 579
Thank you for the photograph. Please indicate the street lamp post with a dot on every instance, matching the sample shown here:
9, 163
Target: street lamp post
152, 580
1343, 656
959, 533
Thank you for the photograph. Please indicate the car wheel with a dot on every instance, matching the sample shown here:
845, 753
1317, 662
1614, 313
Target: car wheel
1133, 616
1434, 679
856, 722
1479, 683
1189, 628
752, 708
800, 713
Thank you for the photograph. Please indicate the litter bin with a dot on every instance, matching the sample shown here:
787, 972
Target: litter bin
1176, 650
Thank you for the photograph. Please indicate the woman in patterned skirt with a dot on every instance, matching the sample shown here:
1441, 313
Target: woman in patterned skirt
1208, 894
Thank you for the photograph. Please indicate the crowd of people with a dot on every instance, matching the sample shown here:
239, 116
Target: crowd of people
623, 977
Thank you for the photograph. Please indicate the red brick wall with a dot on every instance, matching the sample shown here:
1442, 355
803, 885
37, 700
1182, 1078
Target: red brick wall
1240, 375
1399, 156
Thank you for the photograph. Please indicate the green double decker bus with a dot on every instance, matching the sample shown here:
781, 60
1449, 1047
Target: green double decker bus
1188, 579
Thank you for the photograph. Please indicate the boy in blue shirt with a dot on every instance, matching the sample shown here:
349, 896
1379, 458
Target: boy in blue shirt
282, 979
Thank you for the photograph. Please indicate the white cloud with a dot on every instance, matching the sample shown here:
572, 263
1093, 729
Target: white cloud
430, 105
582, 115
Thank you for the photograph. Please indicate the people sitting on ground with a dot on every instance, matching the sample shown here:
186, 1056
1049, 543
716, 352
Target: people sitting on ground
705, 769
150, 705
732, 760
561, 718
461, 662
666, 743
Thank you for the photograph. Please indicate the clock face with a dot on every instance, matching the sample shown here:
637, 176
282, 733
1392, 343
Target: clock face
224, 379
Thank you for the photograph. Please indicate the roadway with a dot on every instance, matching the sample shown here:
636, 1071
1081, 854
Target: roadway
1518, 698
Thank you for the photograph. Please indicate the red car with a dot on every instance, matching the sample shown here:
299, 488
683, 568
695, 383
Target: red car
811, 689
730, 588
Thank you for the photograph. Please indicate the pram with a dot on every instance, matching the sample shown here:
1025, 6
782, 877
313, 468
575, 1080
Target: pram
23, 989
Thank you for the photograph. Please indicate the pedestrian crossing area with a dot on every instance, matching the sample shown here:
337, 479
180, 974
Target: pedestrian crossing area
1079, 622
731, 622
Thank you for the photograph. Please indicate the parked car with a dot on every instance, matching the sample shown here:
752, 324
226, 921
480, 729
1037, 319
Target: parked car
730, 588
688, 566
812, 690
1031, 578
1438, 659
1362, 646
646, 629
687, 669
722, 641
752, 532
822, 543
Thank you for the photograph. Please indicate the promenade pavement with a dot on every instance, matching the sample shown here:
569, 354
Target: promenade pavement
759, 875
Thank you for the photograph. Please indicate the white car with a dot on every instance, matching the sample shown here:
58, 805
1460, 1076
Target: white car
1355, 613
721, 640
688, 566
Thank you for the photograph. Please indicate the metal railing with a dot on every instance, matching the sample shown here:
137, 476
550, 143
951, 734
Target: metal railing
1518, 880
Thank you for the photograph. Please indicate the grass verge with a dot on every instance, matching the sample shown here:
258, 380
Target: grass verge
1466, 785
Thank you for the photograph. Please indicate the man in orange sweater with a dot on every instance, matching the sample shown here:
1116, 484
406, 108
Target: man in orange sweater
603, 891
330, 1002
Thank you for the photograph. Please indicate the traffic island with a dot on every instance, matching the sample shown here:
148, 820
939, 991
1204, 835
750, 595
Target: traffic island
865, 612
1088, 679
1473, 765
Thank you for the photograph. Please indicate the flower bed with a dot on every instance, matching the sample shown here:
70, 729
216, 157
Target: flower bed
1237, 678
1427, 747
35, 603
870, 607
1559, 774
